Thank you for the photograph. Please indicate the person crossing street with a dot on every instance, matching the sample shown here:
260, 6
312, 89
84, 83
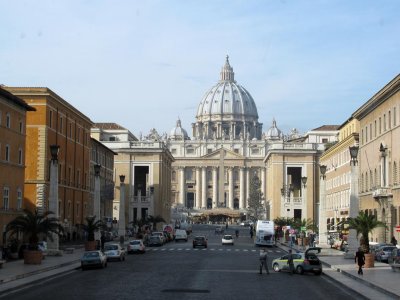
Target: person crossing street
263, 261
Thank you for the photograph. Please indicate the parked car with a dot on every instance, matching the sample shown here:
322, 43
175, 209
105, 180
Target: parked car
200, 241
136, 246
227, 239
93, 259
114, 251
155, 240
303, 262
382, 254
160, 234
180, 234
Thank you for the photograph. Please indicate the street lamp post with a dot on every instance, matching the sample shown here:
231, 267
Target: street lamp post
121, 221
354, 207
96, 200
53, 194
322, 228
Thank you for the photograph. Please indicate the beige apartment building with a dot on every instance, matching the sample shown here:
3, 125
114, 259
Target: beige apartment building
379, 158
13, 112
336, 158
146, 166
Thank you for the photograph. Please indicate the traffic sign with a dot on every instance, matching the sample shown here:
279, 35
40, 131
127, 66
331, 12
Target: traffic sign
398, 228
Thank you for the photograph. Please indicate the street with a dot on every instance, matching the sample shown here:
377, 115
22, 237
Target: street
177, 271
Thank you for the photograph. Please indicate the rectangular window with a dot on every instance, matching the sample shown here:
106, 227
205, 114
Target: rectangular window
255, 151
375, 129
8, 120
370, 131
19, 199
394, 117
366, 134
389, 119
51, 119
190, 151
7, 153
380, 125
21, 127
20, 156
78, 135
70, 130
61, 124
384, 122
6, 198
324, 140
362, 136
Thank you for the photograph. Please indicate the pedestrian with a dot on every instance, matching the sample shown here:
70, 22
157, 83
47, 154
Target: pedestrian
360, 260
290, 262
251, 233
393, 241
263, 261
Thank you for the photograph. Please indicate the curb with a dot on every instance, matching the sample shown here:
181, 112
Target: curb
25, 275
367, 283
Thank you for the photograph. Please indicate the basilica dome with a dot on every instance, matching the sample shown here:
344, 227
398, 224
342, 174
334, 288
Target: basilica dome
228, 110
178, 133
273, 132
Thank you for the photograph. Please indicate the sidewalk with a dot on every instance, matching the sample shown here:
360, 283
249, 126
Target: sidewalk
379, 282
15, 274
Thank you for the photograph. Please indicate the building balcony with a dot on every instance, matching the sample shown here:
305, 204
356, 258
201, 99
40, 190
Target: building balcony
382, 192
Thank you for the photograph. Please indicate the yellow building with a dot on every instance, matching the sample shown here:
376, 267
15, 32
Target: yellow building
13, 112
379, 158
56, 122
336, 158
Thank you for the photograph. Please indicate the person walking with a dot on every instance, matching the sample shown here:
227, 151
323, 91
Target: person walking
360, 260
290, 262
393, 241
263, 261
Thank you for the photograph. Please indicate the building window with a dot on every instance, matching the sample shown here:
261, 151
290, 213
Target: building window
209, 151
70, 130
51, 119
6, 198
190, 151
324, 140
8, 120
20, 156
362, 136
389, 119
61, 124
380, 125
366, 134
370, 132
19, 199
394, 117
384, 122
173, 151
78, 135
236, 150
7, 153
255, 151
21, 127
375, 129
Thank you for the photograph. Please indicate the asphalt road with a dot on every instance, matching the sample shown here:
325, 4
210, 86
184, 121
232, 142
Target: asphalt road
177, 271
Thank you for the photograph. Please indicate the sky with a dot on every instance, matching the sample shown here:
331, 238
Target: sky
144, 64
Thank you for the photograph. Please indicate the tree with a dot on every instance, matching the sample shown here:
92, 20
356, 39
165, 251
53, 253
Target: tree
91, 226
155, 220
255, 195
364, 224
33, 224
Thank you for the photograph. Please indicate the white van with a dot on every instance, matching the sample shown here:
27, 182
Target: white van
180, 234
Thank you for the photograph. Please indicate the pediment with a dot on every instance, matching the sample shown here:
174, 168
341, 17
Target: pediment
227, 154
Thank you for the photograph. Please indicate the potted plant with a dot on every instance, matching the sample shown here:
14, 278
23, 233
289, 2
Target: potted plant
364, 224
32, 225
90, 227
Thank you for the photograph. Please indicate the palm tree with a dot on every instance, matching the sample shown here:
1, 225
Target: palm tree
364, 224
33, 224
155, 220
91, 227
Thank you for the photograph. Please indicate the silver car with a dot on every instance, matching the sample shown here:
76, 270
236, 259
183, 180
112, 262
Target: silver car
382, 254
114, 251
93, 259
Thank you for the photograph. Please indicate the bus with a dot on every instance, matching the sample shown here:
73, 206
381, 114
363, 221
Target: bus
265, 233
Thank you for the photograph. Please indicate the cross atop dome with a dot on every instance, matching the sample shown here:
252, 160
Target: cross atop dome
227, 73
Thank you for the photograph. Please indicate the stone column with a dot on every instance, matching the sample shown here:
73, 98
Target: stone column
182, 186
242, 188
215, 187
121, 221
96, 204
198, 199
352, 239
230, 172
323, 230
247, 185
53, 195
204, 186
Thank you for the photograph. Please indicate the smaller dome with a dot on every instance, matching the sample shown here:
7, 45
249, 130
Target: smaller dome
178, 133
273, 132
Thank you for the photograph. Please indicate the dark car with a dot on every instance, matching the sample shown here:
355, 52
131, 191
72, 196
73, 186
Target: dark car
155, 240
199, 241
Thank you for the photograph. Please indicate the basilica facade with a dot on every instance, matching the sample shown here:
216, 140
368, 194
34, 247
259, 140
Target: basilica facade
212, 170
